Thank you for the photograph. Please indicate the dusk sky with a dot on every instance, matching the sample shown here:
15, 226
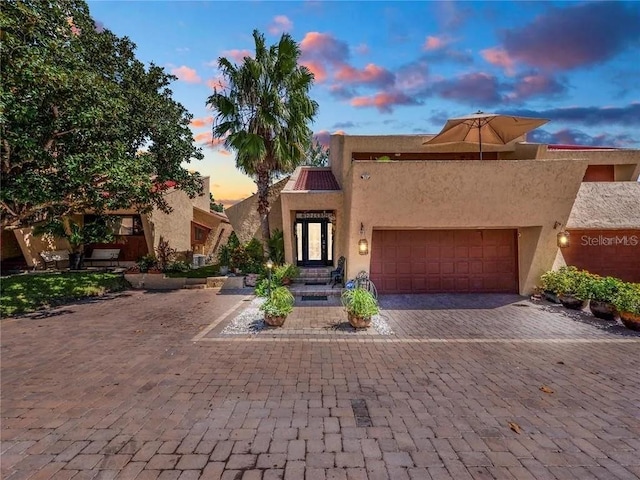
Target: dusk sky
405, 67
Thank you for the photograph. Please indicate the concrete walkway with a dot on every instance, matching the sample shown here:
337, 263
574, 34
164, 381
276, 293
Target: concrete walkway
145, 385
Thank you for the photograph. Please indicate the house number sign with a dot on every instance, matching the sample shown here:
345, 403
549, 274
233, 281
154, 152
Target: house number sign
601, 241
304, 215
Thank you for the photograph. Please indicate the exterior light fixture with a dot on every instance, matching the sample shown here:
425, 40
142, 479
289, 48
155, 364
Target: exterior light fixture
363, 245
563, 239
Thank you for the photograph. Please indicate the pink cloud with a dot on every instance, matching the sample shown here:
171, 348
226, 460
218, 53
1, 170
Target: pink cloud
204, 137
237, 55
383, 101
371, 74
201, 122
534, 85
318, 70
217, 82
324, 47
186, 74
500, 58
472, 88
224, 152
412, 77
322, 137
280, 24
434, 43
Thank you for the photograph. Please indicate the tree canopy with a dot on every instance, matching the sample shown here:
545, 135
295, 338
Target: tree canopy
316, 155
84, 125
263, 113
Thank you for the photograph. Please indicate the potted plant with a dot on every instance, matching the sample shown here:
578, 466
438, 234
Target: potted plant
573, 291
224, 258
361, 305
602, 291
278, 305
286, 273
627, 301
147, 262
550, 281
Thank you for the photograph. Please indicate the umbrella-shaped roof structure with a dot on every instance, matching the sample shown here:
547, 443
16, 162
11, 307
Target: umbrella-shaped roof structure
485, 128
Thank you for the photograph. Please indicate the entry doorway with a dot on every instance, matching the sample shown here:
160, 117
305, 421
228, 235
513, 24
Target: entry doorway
314, 241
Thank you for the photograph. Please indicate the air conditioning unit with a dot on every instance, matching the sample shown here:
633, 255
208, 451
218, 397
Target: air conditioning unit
199, 260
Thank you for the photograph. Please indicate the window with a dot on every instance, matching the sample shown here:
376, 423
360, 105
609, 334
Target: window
125, 225
199, 234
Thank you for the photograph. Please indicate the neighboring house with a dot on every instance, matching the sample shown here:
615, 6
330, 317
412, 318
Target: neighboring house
436, 219
189, 228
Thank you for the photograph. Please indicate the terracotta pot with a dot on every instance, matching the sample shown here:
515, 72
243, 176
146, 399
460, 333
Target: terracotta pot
286, 281
274, 321
603, 310
359, 322
631, 320
571, 302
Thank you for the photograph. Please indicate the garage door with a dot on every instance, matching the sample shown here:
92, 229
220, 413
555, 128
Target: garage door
430, 261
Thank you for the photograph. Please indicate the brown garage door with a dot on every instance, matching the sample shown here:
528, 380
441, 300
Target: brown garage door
430, 261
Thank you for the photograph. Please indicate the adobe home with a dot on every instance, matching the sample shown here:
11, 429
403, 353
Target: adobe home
424, 218
190, 228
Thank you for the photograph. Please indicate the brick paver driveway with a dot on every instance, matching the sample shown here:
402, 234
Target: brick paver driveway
145, 385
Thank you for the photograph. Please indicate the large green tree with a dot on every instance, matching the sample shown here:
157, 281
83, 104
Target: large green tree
83, 123
263, 114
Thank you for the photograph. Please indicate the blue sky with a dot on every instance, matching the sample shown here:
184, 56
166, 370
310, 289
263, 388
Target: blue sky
405, 67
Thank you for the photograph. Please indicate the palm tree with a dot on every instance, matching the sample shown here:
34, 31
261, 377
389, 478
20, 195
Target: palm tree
263, 113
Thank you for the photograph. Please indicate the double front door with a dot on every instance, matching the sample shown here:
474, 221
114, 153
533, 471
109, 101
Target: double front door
314, 240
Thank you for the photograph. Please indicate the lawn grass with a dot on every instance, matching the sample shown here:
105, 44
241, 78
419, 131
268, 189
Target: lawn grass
27, 293
202, 272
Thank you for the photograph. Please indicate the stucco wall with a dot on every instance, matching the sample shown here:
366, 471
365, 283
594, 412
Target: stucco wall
526, 194
175, 226
627, 162
31, 245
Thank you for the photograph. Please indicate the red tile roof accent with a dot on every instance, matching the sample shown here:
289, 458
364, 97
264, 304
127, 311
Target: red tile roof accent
316, 180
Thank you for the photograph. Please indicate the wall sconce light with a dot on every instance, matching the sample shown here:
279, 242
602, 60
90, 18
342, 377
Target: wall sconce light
363, 244
563, 239
365, 176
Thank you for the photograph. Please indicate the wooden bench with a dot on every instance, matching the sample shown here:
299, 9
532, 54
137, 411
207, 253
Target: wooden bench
53, 257
104, 255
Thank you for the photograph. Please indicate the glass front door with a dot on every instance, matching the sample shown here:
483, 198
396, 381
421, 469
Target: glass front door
314, 242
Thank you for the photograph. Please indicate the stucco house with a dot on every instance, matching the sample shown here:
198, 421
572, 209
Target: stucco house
434, 218
190, 228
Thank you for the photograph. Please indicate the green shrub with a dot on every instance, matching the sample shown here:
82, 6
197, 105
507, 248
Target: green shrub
603, 289
572, 281
276, 247
550, 281
286, 271
255, 257
146, 262
224, 255
178, 266
262, 287
360, 302
627, 298
279, 304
